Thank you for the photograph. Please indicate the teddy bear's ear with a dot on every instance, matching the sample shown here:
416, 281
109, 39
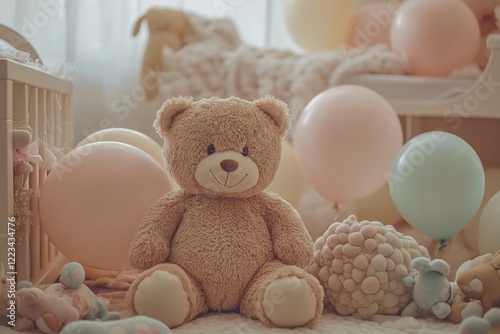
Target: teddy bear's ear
137, 25
277, 110
168, 111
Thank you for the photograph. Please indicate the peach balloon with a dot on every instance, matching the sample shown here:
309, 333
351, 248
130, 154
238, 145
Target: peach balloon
288, 181
94, 198
371, 24
318, 25
345, 142
127, 136
436, 36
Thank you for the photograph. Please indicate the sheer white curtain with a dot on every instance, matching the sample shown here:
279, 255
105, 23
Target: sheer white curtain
97, 37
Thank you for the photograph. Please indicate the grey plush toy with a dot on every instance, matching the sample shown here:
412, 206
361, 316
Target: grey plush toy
431, 289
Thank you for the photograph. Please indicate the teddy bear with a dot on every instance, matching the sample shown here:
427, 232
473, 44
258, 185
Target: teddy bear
479, 283
167, 28
220, 242
431, 289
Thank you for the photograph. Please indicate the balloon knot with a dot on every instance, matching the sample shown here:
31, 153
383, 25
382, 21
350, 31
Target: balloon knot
336, 207
442, 244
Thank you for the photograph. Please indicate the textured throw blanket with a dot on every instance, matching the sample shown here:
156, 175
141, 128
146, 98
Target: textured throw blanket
217, 63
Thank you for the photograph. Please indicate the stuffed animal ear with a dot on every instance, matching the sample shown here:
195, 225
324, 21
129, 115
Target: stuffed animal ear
137, 25
168, 111
277, 110
495, 262
30, 296
189, 29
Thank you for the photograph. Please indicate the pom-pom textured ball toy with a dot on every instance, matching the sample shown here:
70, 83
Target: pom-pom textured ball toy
361, 265
436, 36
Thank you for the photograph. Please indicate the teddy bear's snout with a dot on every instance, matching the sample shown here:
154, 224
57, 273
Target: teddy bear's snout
229, 165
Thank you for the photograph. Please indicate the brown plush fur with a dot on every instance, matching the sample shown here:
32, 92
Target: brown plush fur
225, 248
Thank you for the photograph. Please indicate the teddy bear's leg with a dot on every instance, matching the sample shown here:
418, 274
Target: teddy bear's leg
464, 310
166, 293
283, 296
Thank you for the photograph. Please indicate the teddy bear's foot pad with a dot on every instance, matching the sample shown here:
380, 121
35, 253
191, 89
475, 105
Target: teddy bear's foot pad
289, 302
162, 297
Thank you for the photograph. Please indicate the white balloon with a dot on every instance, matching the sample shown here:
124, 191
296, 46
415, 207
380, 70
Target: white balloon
471, 231
489, 226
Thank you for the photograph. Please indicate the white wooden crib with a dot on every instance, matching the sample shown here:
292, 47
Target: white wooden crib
33, 100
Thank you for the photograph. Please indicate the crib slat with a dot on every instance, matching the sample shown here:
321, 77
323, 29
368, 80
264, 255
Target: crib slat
43, 130
50, 121
6, 171
20, 107
34, 184
20, 119
58, 125
68, 125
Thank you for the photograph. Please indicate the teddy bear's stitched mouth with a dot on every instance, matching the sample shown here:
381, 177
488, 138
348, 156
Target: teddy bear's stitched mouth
227, 178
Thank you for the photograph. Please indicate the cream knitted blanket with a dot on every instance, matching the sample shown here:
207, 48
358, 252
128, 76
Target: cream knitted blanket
216, 63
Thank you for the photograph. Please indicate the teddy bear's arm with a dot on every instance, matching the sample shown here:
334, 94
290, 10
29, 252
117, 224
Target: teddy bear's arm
151, 243
291, 241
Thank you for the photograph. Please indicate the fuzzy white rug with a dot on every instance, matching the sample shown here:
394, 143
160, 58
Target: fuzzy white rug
328, 323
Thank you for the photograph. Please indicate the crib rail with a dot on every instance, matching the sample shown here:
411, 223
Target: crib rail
41, 103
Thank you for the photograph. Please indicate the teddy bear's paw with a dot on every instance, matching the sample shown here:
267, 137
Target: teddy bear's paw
161, 296
290, 302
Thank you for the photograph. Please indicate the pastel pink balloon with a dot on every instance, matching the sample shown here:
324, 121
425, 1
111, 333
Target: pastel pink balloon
371, 24
437, 36
94, 198
345, 142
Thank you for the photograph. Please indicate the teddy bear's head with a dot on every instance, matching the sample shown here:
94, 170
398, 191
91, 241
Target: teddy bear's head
223, 147
482, 282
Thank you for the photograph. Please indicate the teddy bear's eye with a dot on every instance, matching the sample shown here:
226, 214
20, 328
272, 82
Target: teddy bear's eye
211, 149
244, 152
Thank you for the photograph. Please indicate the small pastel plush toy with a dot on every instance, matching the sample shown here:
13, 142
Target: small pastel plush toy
48, 312
221, 242
431, 289
134, 325
479, 284
60, 303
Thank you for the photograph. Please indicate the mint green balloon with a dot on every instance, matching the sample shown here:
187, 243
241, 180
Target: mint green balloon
437, 183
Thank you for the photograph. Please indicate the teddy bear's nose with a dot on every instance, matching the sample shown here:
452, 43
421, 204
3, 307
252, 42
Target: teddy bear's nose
229, 165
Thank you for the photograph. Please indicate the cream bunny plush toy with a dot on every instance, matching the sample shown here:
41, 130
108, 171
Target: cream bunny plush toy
167, 28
